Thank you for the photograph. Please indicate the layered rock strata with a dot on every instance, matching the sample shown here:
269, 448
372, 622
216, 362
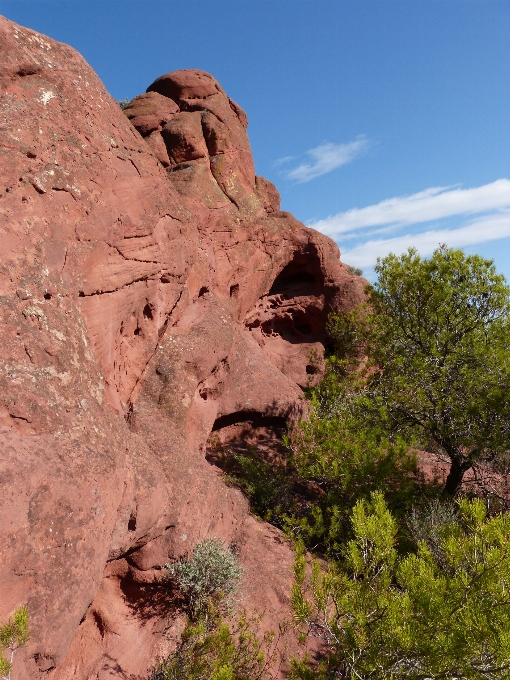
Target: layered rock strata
151, 292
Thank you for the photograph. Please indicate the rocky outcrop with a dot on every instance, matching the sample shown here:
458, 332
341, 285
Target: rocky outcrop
151, 291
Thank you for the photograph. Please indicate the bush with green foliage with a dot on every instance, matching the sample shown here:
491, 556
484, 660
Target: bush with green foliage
266, 484
13, 635
437, 335
212, 571
346, 461
441, 613
331, 461
212, 649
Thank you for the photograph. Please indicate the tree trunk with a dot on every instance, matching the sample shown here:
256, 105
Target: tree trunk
455, 477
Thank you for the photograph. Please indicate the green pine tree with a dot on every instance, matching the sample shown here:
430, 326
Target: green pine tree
436, 613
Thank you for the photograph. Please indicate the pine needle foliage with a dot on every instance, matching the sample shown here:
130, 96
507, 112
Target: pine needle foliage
13, 635
214, 649
383, 616
432, 346
346, 461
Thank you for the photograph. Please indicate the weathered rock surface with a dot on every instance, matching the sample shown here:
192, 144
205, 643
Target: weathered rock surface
150, 291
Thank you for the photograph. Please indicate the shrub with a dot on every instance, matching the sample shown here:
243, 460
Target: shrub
383, 616
345, 461
428, 523
212, 571
268, 486
329, 462
13, 635
266, 483
211, 649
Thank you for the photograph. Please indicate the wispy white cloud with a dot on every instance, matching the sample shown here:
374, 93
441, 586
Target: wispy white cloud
327, 157
432, 204
285, 159
481, 230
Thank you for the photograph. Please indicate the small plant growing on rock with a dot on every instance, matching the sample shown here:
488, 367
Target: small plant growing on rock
13, 635
212, 573
212, 649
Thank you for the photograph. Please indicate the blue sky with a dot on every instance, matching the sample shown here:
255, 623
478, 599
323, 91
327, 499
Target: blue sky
383, 123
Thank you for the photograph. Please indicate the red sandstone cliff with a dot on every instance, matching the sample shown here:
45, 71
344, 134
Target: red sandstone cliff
150, 291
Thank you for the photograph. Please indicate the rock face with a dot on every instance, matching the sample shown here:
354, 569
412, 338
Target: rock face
151, 291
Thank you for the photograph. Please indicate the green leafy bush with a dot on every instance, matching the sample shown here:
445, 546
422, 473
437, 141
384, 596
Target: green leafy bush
382, 616
212, 649
212, 571
266, 483
329, 461
13, 635
345, 461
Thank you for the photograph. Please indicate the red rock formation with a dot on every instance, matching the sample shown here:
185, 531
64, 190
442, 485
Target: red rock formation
141, 307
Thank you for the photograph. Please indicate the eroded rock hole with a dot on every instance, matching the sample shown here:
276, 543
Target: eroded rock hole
132, 523
301, 324
294, 283
100, 623
203, 291
293, 327
302, 276
44, 662
147, 312
28, 70
234, 291
248, 433
254, 418
47, 296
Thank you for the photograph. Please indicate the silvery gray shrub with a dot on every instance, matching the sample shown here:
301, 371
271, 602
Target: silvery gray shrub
211, 571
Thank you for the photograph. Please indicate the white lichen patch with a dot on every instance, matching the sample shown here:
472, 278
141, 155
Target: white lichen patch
65, 377
37, 38
33, 311
46, 96
58, 335
97, 392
